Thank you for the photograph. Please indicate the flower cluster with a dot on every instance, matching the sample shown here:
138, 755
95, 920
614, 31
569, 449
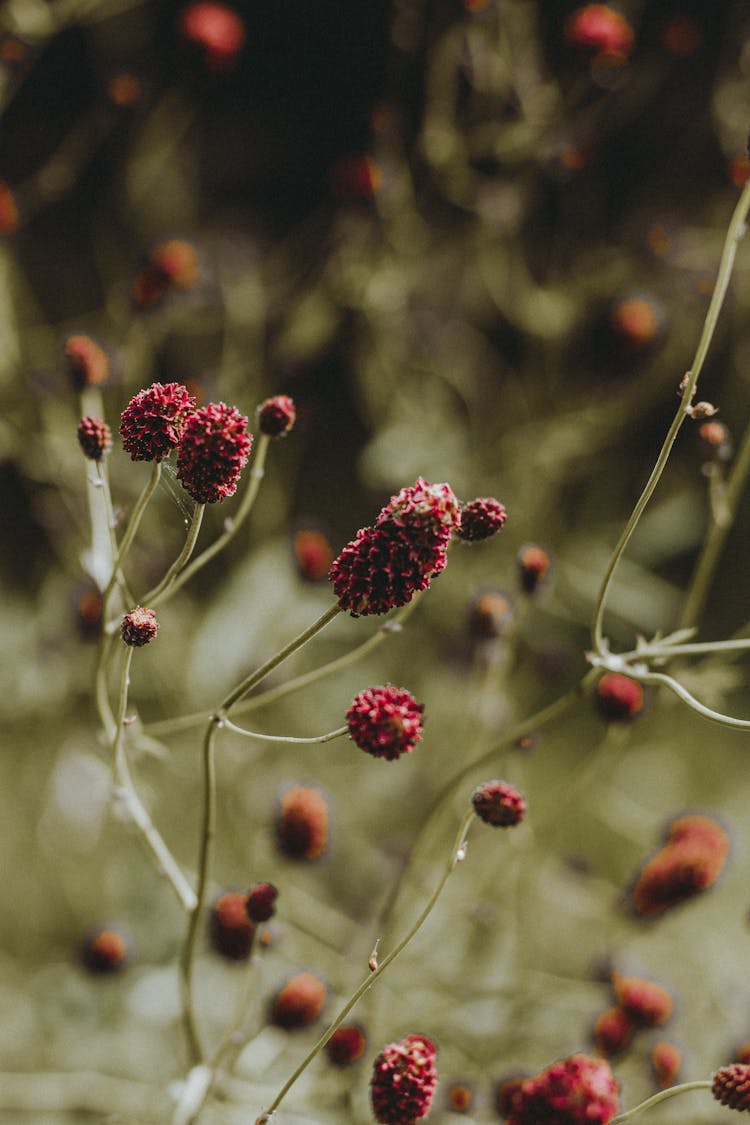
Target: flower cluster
276, 416
213, 451
691, 861
481, 518
640, 1003
139, 627
154, 421
404, 1077
94, 438
498, 803
302, 823
731, 1086
580, 1090
260, 902
385, 721
231, 931
299, 1002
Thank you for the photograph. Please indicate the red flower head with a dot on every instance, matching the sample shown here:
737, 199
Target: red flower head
231, 931
601, 30
481, 518
260, 902
404, 1077
385, 721
346, 1045
731, 1086
88, 364
276, 416
105, 951
499, 804
216, 31
644, 1001
613, 1030
383, 569
580, 1090
533, 567
214, 450
666, 1060
302, 823
423, 508
312, 553
618, 697
154, 421
94, 438
8, 211
690, 862
299, 1002
460, 1097
139, 627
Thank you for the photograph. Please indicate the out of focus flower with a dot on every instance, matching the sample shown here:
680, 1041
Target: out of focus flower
533, 567
645, 1002
260, 902
690, 862
613, 1030
600, 30
619, 697
346, 1045
299, 1002
666, 1060
94, 438
8, 210
105, 951
499, 804
481, 518
216, 31
404, 1077
580, 1090
313, 553
302, 823
355, 177
88, 363
276, 416
230, 930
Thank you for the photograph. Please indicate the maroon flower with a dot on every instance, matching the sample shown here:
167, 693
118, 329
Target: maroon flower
105, 951
139, 627
533, 567
299, 1002
346, 1045
302, 823
231, 932
404, 1077
499, 804
385, 721
690, 862
731, 1086
601, 30
383, 568
216, 31
645, 1002
666, 1060
214, 450
481, 518
276, 416
491, 615
423, 506
618, 697
154, 420
88, 364
312, 553
260, 902
579, 1090
613, 1030
94, 438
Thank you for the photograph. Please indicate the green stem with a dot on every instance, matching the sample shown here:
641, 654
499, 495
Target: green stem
208, 829
166, 587
457, 854
130, 533
713, 546
228, 725
700, 648
256, 476
683, 694
670, 1092
734, 234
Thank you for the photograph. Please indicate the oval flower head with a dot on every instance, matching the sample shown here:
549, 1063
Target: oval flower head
214, 450
580, 1090
385, 722
154, 420
404, 1077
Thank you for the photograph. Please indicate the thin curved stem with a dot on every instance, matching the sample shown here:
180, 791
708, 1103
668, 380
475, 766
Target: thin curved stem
734, 234
166, 587
670, 1092
228, 725
257, 473
695, 705
130, 532
456, 855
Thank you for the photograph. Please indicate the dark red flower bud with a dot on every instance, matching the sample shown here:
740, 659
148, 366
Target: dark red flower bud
600, 30
302, 823
94, 438
231, 932
8, 211
491, 615
216, 31
533, 567
214, 450
346, 1045
731, 1086
88, 364
299, 1002
276, 416
499, 804
139, 627
260, 902
481, 518
690, 862
618, 697
645, 1002
579, 1090
404, 1077
154, 421
637, 322
613, 1030
105, 951
666, 1060
385, 721
312, 553
460, 1097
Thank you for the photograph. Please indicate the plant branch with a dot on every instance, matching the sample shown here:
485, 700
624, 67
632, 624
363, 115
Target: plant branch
166, 587
228, 725
670, 1092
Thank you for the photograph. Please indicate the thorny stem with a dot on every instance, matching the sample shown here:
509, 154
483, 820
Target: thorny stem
125, 792
228, 725
127, 539
457, 854
670, 1092
166, 587
256, 475
734, 234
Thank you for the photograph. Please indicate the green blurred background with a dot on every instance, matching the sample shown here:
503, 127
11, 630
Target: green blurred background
449, 310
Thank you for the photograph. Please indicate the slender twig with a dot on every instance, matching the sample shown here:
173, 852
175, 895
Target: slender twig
734, 234
127, 539
166, 587
228, 725
683, 1088
695, 704
457, 854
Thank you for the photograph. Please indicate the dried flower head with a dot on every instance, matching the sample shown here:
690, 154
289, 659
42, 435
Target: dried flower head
383, 568
260, 902
9, 216
88, 364
613, 1030
618, 697
346, 1045
302, 823
533, 567
139, 627
216, 31
690, 862
231, 932
491, 614
498, 803
645, 1002
481, 518
404, 1077
599, 30
666, 1060
731, 1086
214, 450
105, 951
276, 416
385, 721
580, 1090
154, 421
313, 554
299, 1002
94, 438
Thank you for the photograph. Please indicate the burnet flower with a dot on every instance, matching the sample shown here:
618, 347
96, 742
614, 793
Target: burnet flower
385, 721
154, 421
214, 449
580, 1090
404, 1077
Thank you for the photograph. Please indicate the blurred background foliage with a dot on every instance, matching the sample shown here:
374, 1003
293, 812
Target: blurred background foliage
421, 220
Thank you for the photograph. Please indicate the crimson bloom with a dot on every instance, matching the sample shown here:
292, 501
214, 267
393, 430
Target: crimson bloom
385, 721
404, 1077
94, 438
214, 450
154, 421
731, 1086
580, 1090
